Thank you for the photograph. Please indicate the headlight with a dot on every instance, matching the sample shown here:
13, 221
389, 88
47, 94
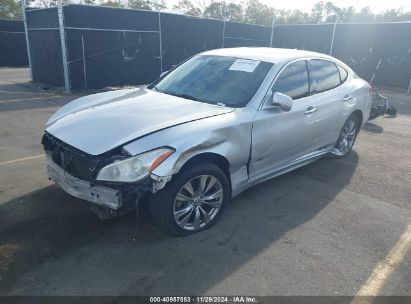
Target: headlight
134, 168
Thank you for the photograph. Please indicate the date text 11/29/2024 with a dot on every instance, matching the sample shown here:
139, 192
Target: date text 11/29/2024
204, 299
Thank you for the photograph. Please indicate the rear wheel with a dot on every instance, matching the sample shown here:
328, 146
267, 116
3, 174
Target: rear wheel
192, 201
347, 137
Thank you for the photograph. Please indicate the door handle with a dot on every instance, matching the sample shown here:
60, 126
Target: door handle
310, 110
347, 98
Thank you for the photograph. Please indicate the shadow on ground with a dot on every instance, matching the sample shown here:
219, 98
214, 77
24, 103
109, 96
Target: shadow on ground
59, 248
372, 128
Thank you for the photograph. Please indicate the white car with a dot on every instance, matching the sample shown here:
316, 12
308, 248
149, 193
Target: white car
215, 125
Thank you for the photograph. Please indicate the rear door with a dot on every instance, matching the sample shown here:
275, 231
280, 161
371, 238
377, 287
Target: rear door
329, 92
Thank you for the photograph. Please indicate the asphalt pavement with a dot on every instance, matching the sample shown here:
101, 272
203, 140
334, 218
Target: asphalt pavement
334, 227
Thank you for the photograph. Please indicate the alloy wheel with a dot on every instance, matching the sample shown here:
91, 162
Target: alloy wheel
347, 137
198, 202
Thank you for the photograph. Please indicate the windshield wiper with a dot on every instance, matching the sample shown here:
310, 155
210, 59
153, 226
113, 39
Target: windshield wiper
186, 96
155, 88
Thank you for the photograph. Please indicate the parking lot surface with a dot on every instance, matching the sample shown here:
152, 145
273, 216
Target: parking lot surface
334, 227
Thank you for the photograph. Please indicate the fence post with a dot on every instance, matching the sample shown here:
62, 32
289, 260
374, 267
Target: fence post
161, 42
272, 31
375, 71
84, 62
223, 33
23, 8
63, 46
332, 38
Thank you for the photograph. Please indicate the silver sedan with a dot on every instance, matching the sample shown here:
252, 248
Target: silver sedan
202, 133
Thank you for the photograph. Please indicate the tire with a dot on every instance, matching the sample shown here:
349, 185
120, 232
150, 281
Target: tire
166, 208
339, 150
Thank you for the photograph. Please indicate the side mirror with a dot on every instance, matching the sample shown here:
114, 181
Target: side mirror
284, 102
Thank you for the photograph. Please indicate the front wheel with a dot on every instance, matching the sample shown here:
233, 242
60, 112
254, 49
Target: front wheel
347, 137
192, 201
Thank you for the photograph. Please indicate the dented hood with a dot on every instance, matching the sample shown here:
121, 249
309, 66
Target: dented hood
101, 122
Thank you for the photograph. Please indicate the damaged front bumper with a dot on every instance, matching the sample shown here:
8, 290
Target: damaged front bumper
104, 201
101, 195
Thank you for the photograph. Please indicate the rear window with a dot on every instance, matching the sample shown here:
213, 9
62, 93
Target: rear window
324, 75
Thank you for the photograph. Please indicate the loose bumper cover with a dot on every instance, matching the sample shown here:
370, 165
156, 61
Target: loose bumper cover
101, 195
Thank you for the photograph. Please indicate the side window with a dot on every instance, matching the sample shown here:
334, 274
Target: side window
343, 73
324, 75
293, 81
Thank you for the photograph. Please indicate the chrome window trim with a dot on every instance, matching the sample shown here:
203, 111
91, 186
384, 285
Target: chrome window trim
348, 73
339, 76
263, 100
283, 67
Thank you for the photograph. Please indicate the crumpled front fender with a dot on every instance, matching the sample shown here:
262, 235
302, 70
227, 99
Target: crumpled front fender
227, 135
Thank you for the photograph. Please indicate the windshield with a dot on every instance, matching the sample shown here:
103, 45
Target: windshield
216, 79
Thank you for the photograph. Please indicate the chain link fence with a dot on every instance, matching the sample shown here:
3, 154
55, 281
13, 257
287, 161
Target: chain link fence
116, 47
105, 46
378, 52
13, 48
45, 47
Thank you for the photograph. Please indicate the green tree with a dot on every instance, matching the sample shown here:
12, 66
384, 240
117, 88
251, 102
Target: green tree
317, 12
47, 3
255, 12
215, 10
154, 5
393, 15
291, 17
347, 14
258, 13
158, 5
325, 12
139, 4
404, 16
224, 11
187, 7
296, 17
250, 11
235, 12
112, 3
365, 15
89, 2
331, 12
10, 9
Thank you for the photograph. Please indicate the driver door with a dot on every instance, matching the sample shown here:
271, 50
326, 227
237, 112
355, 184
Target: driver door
280, 137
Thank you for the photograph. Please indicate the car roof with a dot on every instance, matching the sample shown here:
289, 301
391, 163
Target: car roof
273, 55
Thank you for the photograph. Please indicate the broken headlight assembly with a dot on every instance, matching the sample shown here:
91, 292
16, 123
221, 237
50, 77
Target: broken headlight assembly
134, 168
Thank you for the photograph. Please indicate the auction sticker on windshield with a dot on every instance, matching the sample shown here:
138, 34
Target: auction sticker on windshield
244, 65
